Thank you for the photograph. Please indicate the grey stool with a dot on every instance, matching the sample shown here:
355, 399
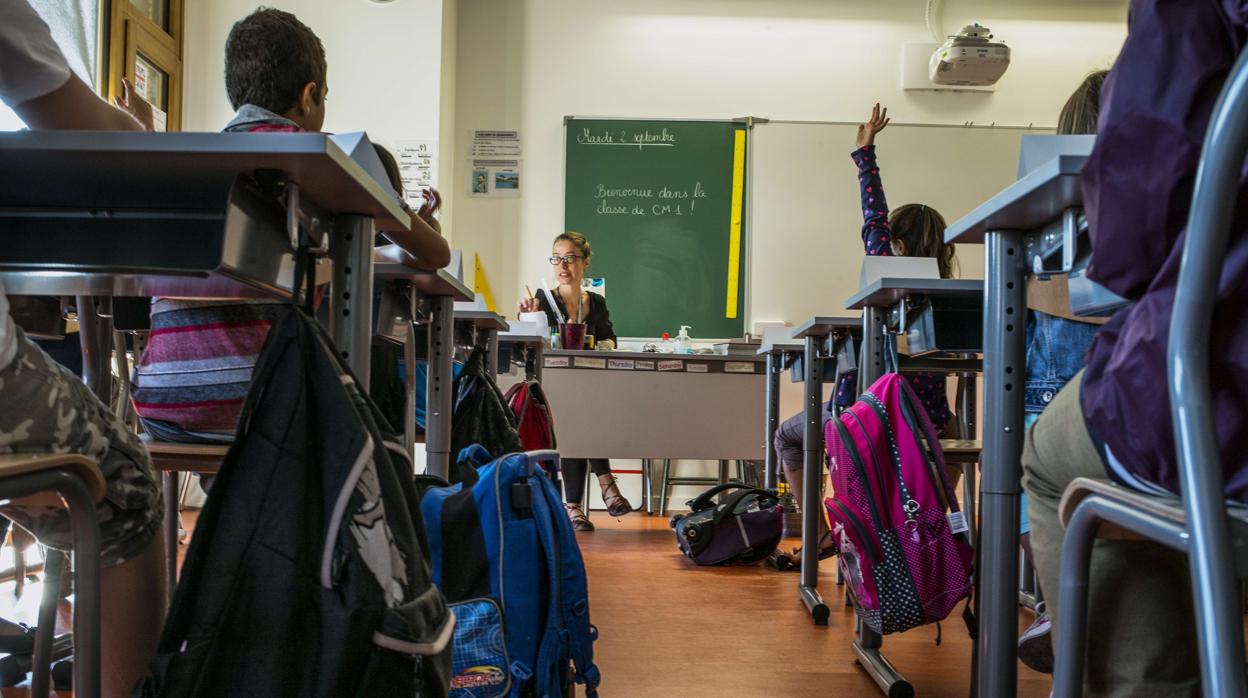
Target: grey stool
668, 481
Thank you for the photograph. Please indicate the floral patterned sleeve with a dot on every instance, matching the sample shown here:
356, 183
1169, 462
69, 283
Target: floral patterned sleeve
875, 234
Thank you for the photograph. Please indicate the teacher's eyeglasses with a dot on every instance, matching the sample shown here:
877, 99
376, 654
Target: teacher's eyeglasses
566, 259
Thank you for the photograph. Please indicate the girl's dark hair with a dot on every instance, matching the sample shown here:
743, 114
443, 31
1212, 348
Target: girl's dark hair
922, 230
392, 168
1082, 109
579, 242
269, 56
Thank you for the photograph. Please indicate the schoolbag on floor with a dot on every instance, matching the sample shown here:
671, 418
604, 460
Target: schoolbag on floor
742, 530
505, 556
537, 423
481, 415
307, 573
901, 539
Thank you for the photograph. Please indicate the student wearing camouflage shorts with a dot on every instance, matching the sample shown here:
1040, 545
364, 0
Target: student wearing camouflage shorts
45, 408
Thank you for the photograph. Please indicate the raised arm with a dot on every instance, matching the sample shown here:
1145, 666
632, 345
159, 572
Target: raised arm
876, 238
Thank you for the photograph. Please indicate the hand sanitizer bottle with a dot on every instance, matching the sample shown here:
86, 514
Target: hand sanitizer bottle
684, 345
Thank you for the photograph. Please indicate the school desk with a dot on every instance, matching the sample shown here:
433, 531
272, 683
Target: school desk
484, 327
1006, 224
205, 215
775, 355
527, 350
435, 292
933, 315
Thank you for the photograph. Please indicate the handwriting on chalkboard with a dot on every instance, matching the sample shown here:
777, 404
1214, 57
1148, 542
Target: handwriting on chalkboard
648, 201
637, 139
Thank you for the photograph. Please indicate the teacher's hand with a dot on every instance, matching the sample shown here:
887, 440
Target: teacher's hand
529, 305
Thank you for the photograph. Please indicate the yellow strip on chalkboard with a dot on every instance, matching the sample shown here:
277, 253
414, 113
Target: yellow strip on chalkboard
734, 232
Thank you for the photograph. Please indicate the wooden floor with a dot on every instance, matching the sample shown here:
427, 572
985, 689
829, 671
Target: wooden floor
673, 630
668, 628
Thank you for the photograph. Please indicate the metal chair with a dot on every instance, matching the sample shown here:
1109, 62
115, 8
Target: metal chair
74, 481
668, 482
1199, 522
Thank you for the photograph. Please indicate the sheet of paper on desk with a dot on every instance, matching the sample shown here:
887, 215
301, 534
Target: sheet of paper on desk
670, 365
696, 368
621, 364
357, 146
558, 361
645, 365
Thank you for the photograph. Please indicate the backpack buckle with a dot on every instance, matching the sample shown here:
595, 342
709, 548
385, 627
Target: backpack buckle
520, 671
522, 499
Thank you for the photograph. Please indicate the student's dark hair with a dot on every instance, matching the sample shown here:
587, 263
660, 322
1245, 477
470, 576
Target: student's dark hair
579, 242
1083, 108
922, 230
392, 168
269, 56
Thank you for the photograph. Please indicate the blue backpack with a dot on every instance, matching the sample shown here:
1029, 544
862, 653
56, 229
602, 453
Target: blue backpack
505, 556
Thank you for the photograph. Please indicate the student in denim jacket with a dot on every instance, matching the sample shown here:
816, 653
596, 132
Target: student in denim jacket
1056, 343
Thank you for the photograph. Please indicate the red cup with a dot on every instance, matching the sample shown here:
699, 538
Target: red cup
572, 335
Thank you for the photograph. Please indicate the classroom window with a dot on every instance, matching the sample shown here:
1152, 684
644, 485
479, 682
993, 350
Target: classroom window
145, 47
155, 10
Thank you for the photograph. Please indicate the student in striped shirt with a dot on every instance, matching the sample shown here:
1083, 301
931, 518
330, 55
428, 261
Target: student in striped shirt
191, 381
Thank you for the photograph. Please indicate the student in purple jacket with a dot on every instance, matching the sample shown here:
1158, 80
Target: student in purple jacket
1113, 419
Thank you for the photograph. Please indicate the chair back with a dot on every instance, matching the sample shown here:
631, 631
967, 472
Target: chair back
1191, 405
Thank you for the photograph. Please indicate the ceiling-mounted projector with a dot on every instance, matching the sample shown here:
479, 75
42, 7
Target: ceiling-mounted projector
970, 58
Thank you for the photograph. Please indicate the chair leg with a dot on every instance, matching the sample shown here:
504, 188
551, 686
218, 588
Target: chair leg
169, 484
664, 486
647, 485
41, 666
589, 474
1073, 612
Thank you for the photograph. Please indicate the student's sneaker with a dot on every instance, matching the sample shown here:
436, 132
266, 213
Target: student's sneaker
1035, 646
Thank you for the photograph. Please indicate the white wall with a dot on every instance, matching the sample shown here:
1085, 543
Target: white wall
525, 64
384, 62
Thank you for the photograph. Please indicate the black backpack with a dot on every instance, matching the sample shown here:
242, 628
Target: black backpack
308, 573
481, 416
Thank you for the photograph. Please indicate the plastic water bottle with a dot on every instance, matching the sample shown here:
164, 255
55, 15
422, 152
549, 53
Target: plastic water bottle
684, 345
665, 343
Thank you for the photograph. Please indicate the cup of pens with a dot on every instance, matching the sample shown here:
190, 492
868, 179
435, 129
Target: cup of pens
572, 335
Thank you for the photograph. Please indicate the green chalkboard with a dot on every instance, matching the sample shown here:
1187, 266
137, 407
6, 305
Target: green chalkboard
656, 200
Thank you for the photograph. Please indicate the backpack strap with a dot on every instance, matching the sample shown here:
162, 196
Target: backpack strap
703, 501
569, 632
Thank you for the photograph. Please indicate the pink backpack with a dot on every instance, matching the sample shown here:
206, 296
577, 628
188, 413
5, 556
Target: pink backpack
902, 542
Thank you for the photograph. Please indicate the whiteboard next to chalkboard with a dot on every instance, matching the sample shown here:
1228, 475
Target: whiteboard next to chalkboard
805, 218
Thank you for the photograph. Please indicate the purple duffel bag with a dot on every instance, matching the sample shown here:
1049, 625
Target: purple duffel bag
741, 530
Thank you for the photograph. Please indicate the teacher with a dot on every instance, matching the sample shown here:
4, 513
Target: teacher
570, 256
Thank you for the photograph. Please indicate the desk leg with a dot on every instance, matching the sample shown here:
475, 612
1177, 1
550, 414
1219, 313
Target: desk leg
438, 393
351, 297
771, 468
409, 377
539, 361
1005, 312
812, 457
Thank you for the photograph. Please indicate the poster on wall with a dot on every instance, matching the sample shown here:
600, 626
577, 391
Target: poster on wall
418, 165
494, 177
494, 143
